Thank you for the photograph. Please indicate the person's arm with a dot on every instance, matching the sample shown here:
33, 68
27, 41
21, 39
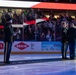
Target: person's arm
11, 29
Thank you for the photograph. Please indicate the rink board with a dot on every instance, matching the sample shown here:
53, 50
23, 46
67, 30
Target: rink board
33, 47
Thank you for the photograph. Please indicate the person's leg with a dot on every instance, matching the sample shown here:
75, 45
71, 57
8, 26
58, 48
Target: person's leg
64, 50
72, 50
66, 47
6, 52
10, 47
62, 47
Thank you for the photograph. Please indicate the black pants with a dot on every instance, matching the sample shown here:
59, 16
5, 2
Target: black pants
72, 50
64, 49
7, 51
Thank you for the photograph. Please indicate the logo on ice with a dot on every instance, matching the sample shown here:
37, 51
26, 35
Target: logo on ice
21, 46
1, 45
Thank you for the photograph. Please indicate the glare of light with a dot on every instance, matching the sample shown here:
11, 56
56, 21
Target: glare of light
56, 16
47, 16
73, 16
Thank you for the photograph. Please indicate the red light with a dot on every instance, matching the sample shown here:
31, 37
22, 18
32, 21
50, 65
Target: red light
1, 27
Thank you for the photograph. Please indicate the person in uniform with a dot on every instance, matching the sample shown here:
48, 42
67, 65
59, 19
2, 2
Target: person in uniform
71, 39
8, 38
64, 40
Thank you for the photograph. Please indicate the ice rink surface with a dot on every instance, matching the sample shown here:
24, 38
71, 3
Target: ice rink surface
37, 64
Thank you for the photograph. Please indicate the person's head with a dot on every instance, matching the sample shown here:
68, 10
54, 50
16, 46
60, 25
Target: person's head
17, 28
42, 34
8, 18
48, 32
64, 24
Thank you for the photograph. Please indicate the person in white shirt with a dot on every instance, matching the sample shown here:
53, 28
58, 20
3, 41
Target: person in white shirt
48, 36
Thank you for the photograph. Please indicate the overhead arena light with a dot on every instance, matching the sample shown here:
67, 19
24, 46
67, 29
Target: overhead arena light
43, 5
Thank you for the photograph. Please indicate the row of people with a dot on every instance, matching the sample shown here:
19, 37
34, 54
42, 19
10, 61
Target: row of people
68, 39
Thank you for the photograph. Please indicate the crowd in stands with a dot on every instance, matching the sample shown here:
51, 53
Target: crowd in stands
49, 30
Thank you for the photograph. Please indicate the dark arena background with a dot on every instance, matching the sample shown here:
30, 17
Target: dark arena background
37, 37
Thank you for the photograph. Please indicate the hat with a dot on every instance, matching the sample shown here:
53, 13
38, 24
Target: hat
8, 18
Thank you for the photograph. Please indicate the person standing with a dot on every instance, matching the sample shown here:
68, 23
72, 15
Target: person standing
71, 40
64, 40
8, 38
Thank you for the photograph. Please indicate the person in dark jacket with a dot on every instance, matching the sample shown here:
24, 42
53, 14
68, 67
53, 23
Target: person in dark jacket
8, 38
64, 40
71, 40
